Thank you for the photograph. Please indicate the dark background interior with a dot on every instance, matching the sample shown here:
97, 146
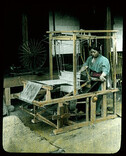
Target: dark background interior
91, 16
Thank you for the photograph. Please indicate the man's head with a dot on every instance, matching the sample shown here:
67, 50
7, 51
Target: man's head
94, 51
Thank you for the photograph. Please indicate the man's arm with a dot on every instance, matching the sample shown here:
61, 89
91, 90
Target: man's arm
105, 69
83, 68
85, 65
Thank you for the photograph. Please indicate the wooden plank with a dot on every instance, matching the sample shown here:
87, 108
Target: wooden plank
75, 97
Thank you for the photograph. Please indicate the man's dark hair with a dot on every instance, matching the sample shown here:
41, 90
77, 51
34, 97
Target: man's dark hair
95, 47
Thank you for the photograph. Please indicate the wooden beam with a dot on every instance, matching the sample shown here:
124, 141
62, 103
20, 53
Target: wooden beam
62, 38
93, 37
75, 97
65, 115
106, 118
41, 118
17, 80
69, 128
79, 125
80, 37
84, 31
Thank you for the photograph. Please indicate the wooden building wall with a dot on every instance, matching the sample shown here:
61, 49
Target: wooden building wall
60, 20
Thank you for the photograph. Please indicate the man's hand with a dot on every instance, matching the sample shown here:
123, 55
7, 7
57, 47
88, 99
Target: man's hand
102, 77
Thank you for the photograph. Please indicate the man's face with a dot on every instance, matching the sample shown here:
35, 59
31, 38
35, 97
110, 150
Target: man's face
94, 53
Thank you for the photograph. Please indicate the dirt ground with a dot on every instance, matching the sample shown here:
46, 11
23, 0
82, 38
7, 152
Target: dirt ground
22, 136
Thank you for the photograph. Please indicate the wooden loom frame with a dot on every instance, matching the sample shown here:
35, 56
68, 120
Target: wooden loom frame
62, 109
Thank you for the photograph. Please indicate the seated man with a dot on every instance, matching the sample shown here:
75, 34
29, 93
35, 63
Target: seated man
99, 67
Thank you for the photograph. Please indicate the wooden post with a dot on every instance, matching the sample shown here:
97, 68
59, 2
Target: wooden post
108, 27
60, 111
7, 96
93, 110
104, 102
114, 71
48, 94
87, 109
74, 64
50, 57
66, 110
34, 119
24, 29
